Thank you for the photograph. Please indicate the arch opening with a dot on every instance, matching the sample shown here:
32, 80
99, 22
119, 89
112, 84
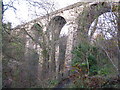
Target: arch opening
57, 45
103, 34
89, 14
107, 43
64, 30
105, 24
55, 26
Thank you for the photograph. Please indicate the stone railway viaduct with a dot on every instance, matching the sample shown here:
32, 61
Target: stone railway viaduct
71, 17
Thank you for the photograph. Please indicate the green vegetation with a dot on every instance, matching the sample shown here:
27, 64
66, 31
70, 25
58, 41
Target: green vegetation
85, 55
91, 61
38, 27
37, 58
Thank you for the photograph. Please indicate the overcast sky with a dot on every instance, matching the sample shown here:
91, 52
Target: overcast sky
22, 15
63, 3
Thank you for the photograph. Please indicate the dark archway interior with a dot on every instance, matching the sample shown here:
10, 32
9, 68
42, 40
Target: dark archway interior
56, 25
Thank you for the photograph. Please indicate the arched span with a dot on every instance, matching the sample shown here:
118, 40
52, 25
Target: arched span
105, 25
54, 28
90, 13
55, 25
37, 31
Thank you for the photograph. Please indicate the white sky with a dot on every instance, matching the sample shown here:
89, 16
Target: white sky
22, 15
107, 25
63, 3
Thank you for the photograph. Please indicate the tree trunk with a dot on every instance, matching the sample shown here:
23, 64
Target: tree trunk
45, 68
118, 35
52, 63
1, 9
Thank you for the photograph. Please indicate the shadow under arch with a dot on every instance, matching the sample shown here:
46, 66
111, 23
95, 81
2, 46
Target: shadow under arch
55, 25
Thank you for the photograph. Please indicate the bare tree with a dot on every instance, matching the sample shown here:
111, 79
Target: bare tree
105, 34
118, 35
29, 69
1, 46
33, 9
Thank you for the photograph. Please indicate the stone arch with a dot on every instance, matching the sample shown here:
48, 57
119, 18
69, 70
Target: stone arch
106, 35
55, 25
54, 28
37, 30
99, 25
34, 36
89, 14
32, 54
